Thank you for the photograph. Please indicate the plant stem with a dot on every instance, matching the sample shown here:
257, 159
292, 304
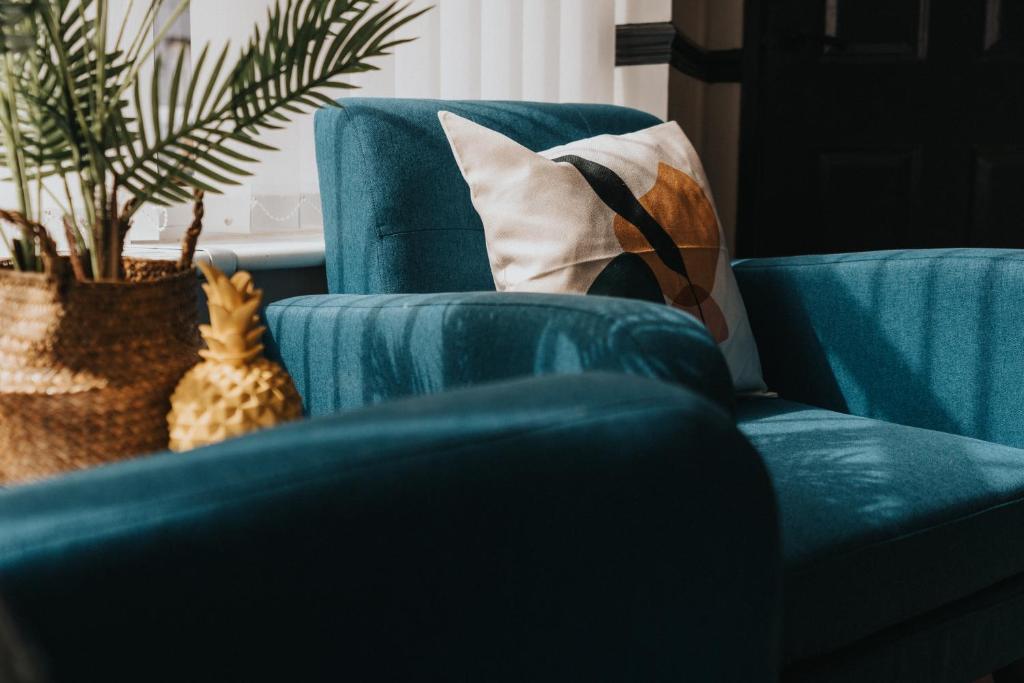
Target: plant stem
148, 19
124, 24
8, 245
50, 193
71, 201
38, 218
101, 66
52, 27
109, 265
31, 69
16, 162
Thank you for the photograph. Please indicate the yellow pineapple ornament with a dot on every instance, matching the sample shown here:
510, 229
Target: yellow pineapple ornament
234, 390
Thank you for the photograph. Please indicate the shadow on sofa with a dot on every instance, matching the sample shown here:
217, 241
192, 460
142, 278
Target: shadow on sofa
544, 529
346, 351
894, 447
896, 529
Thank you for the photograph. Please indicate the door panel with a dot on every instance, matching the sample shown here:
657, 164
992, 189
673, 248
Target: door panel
999, 198
1004, 27
868, 199
875, 124
877, 27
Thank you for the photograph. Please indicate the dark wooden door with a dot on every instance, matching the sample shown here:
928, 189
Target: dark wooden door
879, 124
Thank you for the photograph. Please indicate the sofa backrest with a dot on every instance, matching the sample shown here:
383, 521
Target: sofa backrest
397, 212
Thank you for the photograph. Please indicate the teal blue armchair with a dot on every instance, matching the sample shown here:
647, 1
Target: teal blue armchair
894, 449
514, 487
490, 488
545, 529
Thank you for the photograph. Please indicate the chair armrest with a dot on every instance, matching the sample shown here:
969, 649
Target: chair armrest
595, 527
345, 351
929, 338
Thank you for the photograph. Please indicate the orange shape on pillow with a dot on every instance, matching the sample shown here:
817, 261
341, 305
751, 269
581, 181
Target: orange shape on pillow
681, 208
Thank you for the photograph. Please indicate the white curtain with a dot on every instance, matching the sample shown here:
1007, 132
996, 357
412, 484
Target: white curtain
543, 50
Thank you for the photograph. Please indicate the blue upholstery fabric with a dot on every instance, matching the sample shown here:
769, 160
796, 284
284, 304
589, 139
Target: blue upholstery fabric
882, 523
553, 529
346, 351
956, 643
929, 338
397, 212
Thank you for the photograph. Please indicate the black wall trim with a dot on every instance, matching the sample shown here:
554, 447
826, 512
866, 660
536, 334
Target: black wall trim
644, 43
661, 43
710, 66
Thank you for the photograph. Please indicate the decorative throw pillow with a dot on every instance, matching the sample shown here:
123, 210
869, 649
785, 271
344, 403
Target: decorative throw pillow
627, 215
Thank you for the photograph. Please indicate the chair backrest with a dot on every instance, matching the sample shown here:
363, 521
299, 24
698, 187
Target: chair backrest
397, 213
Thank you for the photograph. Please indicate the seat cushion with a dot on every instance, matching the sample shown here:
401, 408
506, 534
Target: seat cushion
882, 523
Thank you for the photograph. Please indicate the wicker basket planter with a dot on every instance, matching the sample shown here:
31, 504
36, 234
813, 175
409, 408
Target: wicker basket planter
87, 368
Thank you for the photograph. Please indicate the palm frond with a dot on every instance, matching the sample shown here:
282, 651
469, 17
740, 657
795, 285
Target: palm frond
73, 104
286, 69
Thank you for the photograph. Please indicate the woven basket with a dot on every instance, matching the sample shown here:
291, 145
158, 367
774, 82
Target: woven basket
87, 368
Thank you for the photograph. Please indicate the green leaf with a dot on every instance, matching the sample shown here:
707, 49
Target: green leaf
285, 70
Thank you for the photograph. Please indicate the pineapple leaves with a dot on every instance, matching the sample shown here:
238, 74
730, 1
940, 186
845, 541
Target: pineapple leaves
234, 331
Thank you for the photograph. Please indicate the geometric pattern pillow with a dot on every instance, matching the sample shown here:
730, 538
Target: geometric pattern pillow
618, 215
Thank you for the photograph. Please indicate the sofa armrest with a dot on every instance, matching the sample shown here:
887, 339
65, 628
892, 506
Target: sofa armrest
346, 351
929, 338
595, 527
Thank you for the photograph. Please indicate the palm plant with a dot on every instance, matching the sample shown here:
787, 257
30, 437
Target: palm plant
78, 122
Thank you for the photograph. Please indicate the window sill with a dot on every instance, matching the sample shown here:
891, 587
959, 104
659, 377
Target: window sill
255, 252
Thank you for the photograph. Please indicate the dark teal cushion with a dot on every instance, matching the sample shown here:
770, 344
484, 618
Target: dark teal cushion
397, 212
553, 529
346, 351
928, 338
882, 523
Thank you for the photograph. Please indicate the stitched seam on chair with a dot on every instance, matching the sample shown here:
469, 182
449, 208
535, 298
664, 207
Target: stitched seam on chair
811, 568
361, 141
344, 114
1011, 258
315, 474
377, 248
416, 231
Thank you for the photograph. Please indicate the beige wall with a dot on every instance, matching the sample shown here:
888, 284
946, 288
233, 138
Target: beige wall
710, 114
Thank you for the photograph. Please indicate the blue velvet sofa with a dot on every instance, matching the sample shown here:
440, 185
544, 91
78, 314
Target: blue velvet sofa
543, 529
507, 487
894, 450
572, 518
